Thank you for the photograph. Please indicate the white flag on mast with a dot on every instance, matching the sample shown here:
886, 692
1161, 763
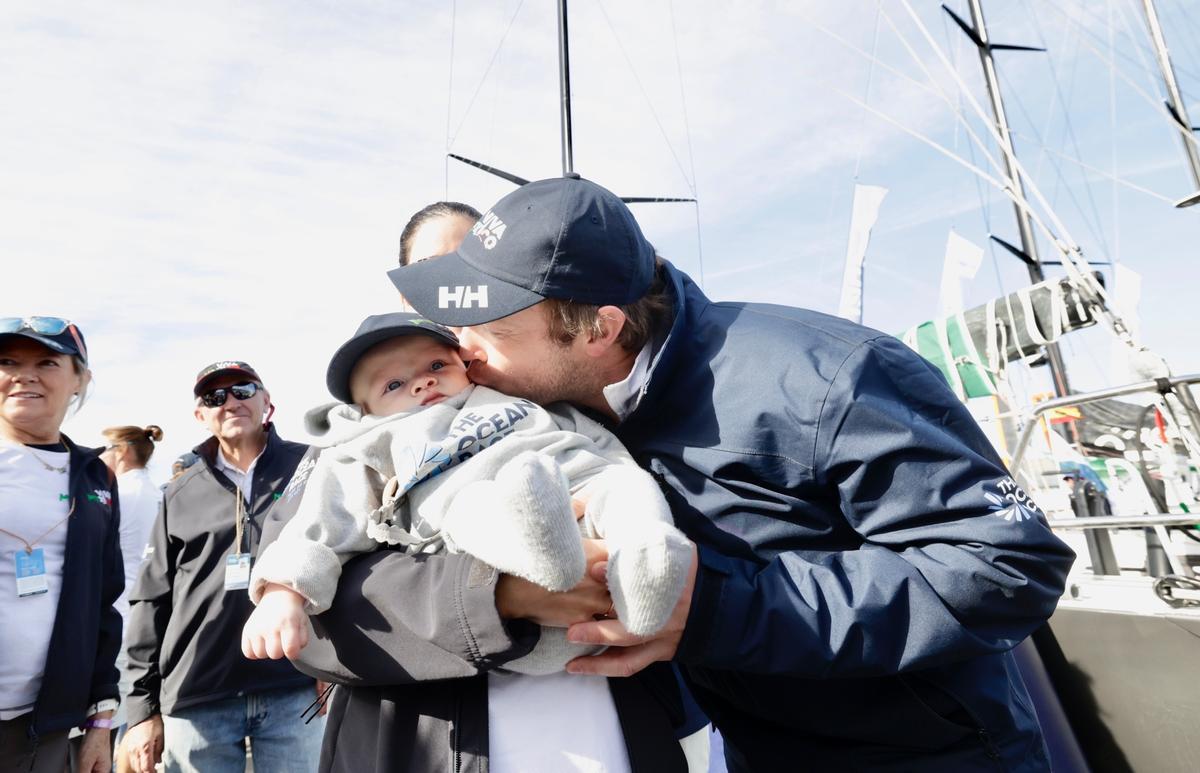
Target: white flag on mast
963, 259
867, 199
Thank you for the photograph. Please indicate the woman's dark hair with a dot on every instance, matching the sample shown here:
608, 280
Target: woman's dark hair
140, 439
432, 212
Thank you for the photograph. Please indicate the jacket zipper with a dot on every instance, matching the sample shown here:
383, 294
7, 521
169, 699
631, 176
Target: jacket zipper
456, 733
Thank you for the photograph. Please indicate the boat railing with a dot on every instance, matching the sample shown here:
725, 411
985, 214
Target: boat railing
1125, 521
1083, 398
1160, 560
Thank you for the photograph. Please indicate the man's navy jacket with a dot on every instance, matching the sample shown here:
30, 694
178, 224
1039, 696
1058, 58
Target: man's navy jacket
866, 561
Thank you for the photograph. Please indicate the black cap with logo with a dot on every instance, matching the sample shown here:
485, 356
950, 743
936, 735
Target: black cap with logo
374, 330
563, 238
223, 368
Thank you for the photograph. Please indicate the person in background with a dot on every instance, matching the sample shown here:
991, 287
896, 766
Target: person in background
60, 558
127, 454
195, 699
435, 230
185, 460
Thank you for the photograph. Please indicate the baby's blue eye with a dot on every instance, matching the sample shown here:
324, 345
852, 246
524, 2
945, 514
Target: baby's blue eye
437, 365
393, 385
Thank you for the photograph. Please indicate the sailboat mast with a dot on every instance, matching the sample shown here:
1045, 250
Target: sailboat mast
564, 88
1174, 97
1058, 370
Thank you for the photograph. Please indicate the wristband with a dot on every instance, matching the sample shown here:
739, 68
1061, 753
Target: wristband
105, 723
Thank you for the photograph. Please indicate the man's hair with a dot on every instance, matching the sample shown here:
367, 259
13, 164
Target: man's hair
432, 212
643, 318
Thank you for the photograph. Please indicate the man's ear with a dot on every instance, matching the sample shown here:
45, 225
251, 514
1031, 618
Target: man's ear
198, 414
610, 323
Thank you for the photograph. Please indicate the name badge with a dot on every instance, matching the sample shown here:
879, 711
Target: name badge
237, 571
31, 573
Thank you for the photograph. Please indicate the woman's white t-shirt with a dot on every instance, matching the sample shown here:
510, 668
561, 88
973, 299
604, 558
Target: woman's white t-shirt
33, 501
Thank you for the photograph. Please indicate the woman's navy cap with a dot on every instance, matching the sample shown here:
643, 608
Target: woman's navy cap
373, 330
69, 341
562, 238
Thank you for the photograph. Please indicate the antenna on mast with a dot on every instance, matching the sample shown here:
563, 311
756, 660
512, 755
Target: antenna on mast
568, 153
977, 32
564, 89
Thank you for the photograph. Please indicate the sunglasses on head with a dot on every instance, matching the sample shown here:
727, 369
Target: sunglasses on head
47, 326
215, 398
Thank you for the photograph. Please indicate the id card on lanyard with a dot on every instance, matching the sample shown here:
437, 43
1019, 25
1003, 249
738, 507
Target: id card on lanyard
31, 572
30, 564
238, 564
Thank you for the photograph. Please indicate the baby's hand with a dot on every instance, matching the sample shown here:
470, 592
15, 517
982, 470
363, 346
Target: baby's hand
278, 627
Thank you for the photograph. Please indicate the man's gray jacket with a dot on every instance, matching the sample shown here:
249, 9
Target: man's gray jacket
185, 629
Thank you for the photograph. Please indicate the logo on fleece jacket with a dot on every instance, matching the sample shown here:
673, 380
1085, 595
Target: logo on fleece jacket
1010, 502
471, 433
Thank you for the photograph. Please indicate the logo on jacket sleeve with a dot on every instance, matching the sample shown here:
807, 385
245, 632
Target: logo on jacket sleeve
103, 496
299, 478
1009, 501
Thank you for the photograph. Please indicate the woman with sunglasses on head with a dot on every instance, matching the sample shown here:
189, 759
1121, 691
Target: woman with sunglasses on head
60, 559
195, 700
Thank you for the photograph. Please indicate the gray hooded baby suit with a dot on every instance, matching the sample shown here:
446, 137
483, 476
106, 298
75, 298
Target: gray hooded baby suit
490, 475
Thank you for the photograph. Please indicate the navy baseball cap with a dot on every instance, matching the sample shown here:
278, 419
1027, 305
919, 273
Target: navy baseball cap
54, 333
223, 368
563, 238
373, 330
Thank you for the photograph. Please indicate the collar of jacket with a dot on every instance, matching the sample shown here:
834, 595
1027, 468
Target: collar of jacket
80, 458
689, 301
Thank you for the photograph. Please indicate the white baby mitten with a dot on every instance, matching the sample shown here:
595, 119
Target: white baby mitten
521, 523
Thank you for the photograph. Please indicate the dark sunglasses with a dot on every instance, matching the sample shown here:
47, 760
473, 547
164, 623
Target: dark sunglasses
47, 326
215, 398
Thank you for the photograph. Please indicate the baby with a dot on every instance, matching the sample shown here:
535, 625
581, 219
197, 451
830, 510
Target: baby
422, 458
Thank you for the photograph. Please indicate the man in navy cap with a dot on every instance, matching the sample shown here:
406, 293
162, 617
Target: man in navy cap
192, 689
857, 589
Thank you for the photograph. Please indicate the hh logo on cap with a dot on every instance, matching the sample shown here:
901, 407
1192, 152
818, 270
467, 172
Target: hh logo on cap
463, 297
490, 230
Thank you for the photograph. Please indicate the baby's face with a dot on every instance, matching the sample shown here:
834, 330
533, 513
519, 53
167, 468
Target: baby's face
405, 373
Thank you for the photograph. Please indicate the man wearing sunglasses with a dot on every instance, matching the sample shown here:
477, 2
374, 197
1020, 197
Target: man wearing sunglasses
193, 690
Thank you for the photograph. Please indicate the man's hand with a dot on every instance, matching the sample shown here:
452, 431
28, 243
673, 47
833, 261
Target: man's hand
517, 598
144, 742
278, 626
630, 654
94, 753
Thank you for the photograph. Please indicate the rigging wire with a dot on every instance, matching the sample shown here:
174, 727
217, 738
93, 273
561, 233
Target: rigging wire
1153, 101
1112, 148
1087, 9
867, 94
654, 113
1065, 109
1116, 180
491, 62
687, 129
1043, 146
449, 99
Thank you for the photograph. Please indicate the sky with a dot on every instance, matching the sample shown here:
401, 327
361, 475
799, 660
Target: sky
201, 181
